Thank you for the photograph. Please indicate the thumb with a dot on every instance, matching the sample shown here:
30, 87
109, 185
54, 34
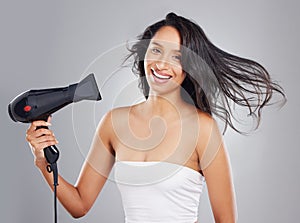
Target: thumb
49, 118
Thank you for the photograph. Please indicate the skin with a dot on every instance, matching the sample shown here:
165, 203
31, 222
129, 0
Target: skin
154, 130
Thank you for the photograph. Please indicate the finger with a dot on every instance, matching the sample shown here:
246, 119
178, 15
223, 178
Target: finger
37, 136
43, 139
31, 135
41, 132
49, 119
35, 124
46, 144
31, 128
43, 144
40, 123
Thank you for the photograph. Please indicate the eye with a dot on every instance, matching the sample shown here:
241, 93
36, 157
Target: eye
177, 57
155, 50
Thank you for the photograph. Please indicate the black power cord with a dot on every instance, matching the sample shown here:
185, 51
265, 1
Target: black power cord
53, 168
52, 154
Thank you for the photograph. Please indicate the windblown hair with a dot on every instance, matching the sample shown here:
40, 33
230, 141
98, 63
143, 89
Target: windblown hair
214, 78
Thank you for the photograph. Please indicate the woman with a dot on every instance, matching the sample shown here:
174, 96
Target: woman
185, 80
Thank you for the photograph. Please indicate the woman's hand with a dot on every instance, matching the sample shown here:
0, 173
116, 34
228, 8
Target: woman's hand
39, 139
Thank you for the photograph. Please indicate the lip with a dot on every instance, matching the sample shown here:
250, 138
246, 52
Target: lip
159, 76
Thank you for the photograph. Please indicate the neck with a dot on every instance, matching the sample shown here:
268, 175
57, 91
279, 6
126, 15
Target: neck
164, 105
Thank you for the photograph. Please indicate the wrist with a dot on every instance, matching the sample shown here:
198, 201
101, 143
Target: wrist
40, 163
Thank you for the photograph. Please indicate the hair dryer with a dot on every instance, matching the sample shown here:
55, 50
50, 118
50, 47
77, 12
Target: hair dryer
40, 104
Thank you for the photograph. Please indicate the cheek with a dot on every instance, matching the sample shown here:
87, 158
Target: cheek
146, 65
181, 76
180, 73
148, 62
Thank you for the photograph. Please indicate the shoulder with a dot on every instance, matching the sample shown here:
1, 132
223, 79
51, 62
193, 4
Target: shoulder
122, 114
107, 120
209, 134
114, 118
108, 124
120, 110
119, 115
115, 113
206, 121
206, 126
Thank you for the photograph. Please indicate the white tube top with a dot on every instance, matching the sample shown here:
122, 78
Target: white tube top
158, 191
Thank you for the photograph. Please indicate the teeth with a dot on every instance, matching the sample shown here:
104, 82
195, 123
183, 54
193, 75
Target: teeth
160, 76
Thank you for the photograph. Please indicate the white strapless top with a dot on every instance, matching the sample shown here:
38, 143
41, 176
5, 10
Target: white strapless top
158, 191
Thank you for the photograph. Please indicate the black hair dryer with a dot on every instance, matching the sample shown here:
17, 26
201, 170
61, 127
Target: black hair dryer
40, 104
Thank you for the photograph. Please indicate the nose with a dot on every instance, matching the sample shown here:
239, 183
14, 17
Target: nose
162, 64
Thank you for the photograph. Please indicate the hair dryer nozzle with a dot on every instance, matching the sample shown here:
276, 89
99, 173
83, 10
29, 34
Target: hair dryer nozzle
86, 89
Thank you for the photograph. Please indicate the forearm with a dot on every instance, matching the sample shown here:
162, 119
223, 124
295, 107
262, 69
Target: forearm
226, 220
77, 199
67, 194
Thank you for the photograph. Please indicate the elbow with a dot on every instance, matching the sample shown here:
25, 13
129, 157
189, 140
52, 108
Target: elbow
75, 216
79, 213
79, 209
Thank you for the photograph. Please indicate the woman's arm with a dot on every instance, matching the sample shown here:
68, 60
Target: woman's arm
77, 199
216, 168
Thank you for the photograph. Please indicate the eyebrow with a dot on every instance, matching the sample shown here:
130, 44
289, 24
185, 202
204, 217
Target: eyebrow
160, 45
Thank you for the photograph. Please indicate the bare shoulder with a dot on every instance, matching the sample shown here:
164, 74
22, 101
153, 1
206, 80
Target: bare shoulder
206, 125
106, 130
119, 114
206, 121
117, 117
208, 133
120, 110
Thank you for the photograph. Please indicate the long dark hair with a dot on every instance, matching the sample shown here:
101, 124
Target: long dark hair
214, 78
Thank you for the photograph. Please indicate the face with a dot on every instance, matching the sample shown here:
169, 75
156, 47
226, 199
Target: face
163, 61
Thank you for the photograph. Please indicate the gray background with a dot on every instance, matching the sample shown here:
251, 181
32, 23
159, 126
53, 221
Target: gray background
52, 43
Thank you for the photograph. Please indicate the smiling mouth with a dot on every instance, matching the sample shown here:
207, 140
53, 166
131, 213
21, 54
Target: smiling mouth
162, 77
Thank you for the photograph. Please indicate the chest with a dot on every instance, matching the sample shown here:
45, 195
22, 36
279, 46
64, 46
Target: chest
157, 140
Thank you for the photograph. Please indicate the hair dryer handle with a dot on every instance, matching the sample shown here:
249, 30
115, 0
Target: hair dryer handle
51, 152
